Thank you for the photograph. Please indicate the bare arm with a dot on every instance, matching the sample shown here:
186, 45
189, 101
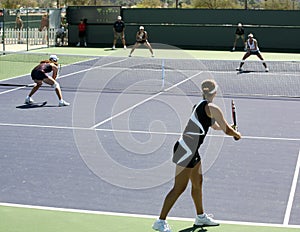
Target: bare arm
221, 123
54, 71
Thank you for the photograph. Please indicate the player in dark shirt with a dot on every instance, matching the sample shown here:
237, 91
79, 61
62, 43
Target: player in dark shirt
40, 74
141, 38
239, 34
119, 32
187, 159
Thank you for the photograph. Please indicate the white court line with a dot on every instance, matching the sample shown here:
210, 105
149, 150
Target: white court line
141, 131
292, 193
69, 74
142, 102
139, 215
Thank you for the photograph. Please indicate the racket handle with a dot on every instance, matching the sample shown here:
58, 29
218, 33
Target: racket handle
235, 128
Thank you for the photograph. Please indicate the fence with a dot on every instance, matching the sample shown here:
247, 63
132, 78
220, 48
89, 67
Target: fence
32, 36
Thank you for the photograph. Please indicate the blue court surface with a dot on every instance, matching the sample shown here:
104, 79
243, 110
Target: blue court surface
111, 149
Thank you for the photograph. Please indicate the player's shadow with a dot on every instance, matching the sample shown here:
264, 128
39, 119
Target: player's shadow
33, 106
193, 229
249, 71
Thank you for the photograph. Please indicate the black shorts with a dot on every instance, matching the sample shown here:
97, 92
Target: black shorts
254, 52
38, 75
190, 162
141, 41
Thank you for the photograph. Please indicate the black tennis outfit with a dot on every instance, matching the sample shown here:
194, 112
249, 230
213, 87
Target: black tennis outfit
142, 37
39, 72
186, 148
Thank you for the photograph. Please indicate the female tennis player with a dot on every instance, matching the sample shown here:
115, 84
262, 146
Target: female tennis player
141, 38
252, 49
187, 159
39, 75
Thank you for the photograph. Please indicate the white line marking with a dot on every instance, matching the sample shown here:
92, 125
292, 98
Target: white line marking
142, 102
140, 131
292, 193
138, 215
69, 74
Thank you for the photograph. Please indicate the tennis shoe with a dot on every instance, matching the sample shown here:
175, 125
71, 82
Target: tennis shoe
63, 103
267, 70
205, 220
114, 47
161, 226
239, 69
29, 100
125, 47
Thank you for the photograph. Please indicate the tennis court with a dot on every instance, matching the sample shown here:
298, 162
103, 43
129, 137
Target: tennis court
104, 163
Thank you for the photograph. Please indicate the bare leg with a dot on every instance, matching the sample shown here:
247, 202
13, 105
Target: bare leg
36, 87
181, 180
197, 179
136, 45
244, 58
261, 58
51, 81
123, 41
149, 46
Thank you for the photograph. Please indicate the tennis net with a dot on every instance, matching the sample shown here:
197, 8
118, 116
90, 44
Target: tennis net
151, 75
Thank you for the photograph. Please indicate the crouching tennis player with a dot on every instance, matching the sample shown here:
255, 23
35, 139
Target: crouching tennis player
252, 49
39, 75
187, 159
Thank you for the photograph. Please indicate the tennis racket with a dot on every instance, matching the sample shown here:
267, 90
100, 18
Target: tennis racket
233, 110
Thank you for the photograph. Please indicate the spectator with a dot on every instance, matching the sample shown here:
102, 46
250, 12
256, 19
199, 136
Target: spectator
19, 27
82, 33
119, 32
239, 34
60, 36
141, 38
44, 27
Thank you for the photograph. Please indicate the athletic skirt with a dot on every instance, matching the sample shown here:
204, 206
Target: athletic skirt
190, 161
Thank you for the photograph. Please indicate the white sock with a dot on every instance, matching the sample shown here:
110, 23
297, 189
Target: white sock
201, 215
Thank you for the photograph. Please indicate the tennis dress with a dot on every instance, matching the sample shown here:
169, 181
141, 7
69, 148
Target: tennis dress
39, 72
251, 46
185, 151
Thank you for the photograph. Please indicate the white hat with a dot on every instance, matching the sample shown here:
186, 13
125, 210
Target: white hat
239, 25
119, 17
250, 35
141, 28
54, 58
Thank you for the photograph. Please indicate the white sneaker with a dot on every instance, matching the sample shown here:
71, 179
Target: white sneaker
125, 47
85, 44
233, 49
63, 103
267, 70
78, 44
205, 220
239, 69
161, 226
29, 100
114, 47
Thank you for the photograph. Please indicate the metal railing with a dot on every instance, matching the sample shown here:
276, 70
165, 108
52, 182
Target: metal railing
31, 36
